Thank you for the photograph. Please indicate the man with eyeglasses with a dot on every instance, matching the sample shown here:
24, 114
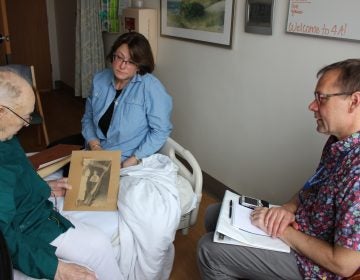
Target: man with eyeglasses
321, 223
26, 121
42, 243
15, 120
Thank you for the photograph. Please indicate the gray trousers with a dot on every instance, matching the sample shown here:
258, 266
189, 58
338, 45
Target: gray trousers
222, 261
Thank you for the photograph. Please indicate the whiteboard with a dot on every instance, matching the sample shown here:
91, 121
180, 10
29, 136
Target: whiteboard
329, 18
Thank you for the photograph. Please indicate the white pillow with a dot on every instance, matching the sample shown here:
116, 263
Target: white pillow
187, 195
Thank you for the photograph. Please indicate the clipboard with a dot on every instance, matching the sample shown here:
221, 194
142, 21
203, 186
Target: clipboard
226, 233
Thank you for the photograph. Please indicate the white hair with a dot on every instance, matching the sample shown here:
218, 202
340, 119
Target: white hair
11, 87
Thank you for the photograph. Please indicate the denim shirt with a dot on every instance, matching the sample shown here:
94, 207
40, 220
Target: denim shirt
140, 123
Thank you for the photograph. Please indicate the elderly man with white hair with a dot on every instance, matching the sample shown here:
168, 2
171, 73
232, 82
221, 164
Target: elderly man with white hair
42, 242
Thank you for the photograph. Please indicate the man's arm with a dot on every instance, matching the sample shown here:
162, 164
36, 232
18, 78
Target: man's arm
276, 219
278, 223
339, 260
293, 204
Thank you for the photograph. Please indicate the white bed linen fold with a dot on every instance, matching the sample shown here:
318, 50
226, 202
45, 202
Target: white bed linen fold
149, 214
147, 220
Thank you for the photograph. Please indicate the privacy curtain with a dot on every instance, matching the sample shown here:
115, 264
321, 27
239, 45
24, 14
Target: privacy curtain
89, 54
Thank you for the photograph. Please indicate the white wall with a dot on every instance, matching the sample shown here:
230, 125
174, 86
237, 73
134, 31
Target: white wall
243, 112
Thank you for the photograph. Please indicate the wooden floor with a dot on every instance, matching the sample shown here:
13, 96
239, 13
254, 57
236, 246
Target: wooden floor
63, 114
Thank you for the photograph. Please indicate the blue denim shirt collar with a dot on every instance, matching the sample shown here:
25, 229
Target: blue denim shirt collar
136, 78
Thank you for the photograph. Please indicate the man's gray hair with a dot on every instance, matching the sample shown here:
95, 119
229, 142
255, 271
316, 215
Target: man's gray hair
9, 89
349, 74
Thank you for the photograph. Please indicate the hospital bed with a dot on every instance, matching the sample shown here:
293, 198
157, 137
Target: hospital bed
189, 184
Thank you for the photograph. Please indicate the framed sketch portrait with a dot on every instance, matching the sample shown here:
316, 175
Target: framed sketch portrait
203, 21
95, 180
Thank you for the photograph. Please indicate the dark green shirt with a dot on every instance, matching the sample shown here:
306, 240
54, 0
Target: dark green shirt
27, 218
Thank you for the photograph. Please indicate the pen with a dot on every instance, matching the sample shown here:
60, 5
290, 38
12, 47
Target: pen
230, 209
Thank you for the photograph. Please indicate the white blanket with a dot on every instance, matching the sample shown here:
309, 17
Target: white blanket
149, 214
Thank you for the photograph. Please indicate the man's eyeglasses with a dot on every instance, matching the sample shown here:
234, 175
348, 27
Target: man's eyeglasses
122, 60
319, 97
27, 122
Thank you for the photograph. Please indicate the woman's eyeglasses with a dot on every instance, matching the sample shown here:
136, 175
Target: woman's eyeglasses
122, 60
27, 122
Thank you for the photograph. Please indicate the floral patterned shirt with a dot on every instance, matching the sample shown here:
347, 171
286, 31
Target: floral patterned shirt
330, 202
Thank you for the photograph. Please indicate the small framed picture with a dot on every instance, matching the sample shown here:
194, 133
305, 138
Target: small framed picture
259, 16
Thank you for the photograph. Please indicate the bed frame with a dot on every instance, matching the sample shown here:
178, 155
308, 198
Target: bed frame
189, 168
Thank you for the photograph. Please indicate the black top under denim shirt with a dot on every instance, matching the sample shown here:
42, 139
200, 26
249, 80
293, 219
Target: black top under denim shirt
105, 120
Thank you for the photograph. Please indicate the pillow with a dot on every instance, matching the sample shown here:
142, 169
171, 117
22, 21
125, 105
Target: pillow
186, 194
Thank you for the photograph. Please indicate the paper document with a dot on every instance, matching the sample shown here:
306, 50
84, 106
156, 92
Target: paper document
226, 233
241, 219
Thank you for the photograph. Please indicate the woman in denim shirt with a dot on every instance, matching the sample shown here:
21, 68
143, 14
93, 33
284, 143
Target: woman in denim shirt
128, 109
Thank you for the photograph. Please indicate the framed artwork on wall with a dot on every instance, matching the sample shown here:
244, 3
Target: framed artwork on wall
205, 21
259, 16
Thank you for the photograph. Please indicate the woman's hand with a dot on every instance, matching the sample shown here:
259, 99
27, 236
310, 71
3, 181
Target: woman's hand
273, 220
130, 162
94, 145
59, 186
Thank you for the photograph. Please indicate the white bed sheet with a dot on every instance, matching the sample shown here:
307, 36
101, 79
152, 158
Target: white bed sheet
109, 219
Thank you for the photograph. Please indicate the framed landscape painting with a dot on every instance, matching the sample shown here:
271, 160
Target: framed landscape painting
203, 21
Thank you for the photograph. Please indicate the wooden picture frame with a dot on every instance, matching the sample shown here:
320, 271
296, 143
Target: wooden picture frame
95, 180
209, 23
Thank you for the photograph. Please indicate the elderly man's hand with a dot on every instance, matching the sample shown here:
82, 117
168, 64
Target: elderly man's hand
73, 271
273, 220
59, 186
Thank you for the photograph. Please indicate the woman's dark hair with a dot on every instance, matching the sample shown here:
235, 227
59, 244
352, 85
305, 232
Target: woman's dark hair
139, 49
349, 74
